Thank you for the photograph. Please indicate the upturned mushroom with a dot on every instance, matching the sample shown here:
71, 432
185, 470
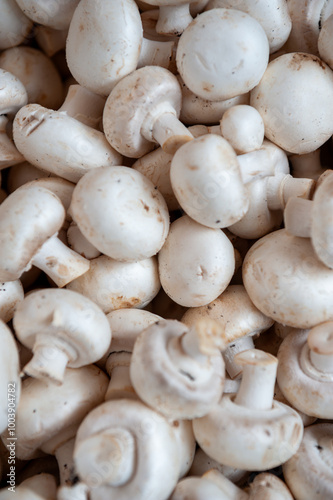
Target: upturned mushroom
30, 219
112, 284
309, 472
118, 452
311, 219
276, 429
186, 368
68, 329
64, 142
196, 263
233, 33
286, 281
147, 105
305, 372
121, 213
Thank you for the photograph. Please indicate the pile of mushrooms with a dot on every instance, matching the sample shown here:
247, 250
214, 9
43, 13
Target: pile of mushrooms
166, 250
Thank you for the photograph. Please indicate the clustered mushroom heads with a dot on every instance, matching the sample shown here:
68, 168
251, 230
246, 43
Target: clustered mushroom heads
166, 250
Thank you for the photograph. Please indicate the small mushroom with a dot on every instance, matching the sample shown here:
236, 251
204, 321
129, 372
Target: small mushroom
80, 244
196, 263
147, 105
305, 373
112, 284
11, 294
243, 127
30, 219
118, 452
276, 429
121, 213
186, 369
236, 35
67, 329
309, 472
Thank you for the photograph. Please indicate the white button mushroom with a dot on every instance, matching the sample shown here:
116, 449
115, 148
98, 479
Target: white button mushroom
57, 15
243, 127
241, 40
295, 100
80, 244
13, 94
196, 263
309, 472
305, 372
121, 213
179, 371
126, 450
30, 219
276, 429
117, 285
286, 281
68, 329
143, 110
14, 25
174, 16
11, 294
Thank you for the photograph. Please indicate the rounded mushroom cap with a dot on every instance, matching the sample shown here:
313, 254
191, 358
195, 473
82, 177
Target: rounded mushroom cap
155, 474
13, 94
207, 182
234, 311
275, 434
46, 409
178, 388
309, 472
121, 213
266, 486
197, 488
28, 217
136, 101
308, 390
244, 46
11, 294
295, 100
287, 282
243, 127
103, 43
56, 15
37, 73
14, 25
196, 263
117, 285
322, 226
69, 317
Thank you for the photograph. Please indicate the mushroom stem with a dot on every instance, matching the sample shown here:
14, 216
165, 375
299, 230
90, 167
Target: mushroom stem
298, 217
48, 362
173, 19
64, 456
228, 489
156, 53
307, 165
256, 391
59, 262
170, 133
242, 344
106, 458
83, 105
118, 367
204, 339
282, 187
320, 342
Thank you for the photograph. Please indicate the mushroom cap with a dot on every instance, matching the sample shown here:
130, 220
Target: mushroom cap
308, 393
173, 390
70, 317
206, 180
137, 100
14, 25
46, 409
266, 486
322, 223
234, 310
10, 377
243, 127
28, 217
55, 15
155, 473
197, 488
121, 213
295, 100
117, 285
224, 434
309, 472
196, 263
13, 94
241, 40
37, 73
104, 43
286, 281
60, 144
11, 294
